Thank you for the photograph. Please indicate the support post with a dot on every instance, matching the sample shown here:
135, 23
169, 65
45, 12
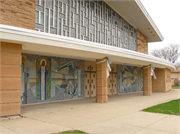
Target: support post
101, 81
10, 94
147, 80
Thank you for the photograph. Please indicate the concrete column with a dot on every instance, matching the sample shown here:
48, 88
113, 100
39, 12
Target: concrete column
101, 81
10, 94
147, 80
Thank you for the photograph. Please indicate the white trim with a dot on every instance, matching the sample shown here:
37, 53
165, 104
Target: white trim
147, 67
101, 61
138, 2
32, 36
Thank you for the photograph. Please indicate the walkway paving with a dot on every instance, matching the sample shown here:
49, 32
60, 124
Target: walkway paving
121, 115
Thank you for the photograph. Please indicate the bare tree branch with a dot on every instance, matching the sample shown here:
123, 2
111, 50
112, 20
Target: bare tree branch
170, 53
177, 64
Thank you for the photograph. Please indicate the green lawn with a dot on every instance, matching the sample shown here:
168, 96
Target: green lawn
71, 132
171, 107
175, 87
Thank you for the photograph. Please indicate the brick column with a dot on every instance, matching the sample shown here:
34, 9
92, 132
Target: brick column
147, 80
10, 94
101, 82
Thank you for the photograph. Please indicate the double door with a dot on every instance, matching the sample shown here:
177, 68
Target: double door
90, 84
112, 84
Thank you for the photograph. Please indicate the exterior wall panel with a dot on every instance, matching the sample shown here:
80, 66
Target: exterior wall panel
101, 81
168, 79
175, 74
10, 109
147, 80
10, 83
163, 81
142, 43
18, 13
10, 71
10, 58
10, 79
10, 96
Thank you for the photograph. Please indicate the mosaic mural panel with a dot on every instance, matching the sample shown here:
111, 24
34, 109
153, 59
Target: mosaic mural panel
50, 79
88, 20
130, 79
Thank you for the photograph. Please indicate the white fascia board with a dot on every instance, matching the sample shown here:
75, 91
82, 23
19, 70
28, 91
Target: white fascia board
148, 17
24, 36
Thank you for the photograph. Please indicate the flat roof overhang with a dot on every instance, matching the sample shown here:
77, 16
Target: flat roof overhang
134, 12
35, 42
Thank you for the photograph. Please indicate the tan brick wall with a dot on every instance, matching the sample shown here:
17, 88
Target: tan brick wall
147, 81
18, 13
168, 79
163, 81
101, 82
175, 74
142, 42
159, 83
10, 95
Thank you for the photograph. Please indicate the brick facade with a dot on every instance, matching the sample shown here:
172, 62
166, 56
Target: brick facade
163, 81
10, 94
18, 13
142, 42
168, 79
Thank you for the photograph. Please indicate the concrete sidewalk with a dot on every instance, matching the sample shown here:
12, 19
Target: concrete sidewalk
121, 115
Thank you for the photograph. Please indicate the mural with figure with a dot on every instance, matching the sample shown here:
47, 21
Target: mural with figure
129, 79
43, 78
50, 79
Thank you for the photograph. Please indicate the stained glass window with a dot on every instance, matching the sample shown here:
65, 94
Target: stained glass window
91, 20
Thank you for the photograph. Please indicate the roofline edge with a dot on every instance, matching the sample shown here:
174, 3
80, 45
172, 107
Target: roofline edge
138, 2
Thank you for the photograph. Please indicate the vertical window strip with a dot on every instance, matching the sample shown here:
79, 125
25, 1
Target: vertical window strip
53, 15
37, 16
44, 1
57, 17
49, 20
